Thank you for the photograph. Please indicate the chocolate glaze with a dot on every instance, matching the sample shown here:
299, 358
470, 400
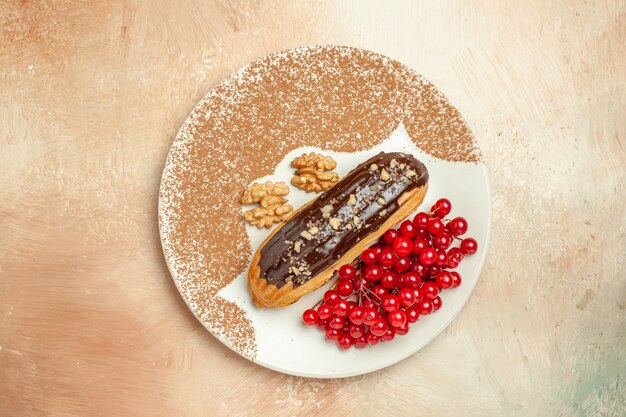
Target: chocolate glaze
281, 262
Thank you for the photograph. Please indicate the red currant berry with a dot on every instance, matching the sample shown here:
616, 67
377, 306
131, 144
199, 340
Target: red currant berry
376, 249
372, 339
430, 289
428, 256
441, 208
379, 291
443, 240
370, 315
390, 302
332, 334
357, 330
344, 288
425, 307
367, 303
455, 256
388, 280
321, 324
432, 271
456, 279
345, 341
402, 246
421, 220
359, 283
336, 322
399, 281
351, 305
340, 308
411, 280
347, 272
356, 315
386, 257
457, 226
418, 246
397, 318
310, 317
389, 236
360, 342
373, 273
406, 296
469, 246
402, 264
435, 226
324, 311
331, 296
441, 258
437, 303
444, 280
379, 327
419, 269
418, 293
369, 257
389, 335
408, 229
412, 315
422, 233
401, 331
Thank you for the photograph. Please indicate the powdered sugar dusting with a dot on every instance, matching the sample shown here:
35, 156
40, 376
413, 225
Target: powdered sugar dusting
330, 97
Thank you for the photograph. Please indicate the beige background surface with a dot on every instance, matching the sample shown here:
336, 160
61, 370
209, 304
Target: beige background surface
91, 96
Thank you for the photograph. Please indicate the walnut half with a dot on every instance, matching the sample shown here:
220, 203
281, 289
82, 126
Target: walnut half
272, 208
312, 172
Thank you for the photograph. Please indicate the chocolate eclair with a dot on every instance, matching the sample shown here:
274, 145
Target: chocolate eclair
332, 230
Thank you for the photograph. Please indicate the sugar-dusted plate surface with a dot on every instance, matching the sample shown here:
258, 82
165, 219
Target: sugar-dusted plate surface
239, 134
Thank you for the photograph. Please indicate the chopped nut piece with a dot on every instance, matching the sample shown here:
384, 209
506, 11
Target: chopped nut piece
382, 213
356, 220
381, 201
295, 271
297, 246
373, 167
335, 223
314, 230
410, 173
306, 235
393, 163
384, 175
352, 200
402, 166
326, 210
349, 226
355, 211
311, 174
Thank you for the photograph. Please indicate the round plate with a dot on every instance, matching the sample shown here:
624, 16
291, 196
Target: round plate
344, 102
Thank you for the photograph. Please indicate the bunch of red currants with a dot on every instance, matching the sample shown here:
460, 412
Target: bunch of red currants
400, 279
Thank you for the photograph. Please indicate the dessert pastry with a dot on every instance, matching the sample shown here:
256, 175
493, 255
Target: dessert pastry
302, 254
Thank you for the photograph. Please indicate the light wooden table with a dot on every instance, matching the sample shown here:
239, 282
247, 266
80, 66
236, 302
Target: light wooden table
91, 96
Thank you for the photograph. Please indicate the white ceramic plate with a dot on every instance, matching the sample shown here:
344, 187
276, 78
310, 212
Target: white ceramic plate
281, 341
285, 344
